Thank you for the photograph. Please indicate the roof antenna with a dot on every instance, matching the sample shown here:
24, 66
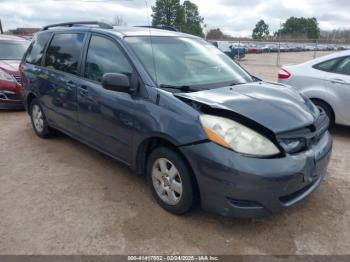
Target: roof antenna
150, 38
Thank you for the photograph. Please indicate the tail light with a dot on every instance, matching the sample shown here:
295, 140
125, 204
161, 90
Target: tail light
283, 74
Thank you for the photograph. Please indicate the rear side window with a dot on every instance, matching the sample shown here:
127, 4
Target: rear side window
36, 49
64, 52
328, 66
343, 67
104, 56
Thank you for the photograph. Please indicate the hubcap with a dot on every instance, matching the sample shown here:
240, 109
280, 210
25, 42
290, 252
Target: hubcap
38, 118
167, 181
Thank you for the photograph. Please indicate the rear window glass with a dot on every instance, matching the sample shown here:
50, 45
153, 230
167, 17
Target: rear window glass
64, 52
12, 50
327, 65
343, 67
36, 49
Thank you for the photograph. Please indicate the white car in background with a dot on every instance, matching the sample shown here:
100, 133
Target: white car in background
326, 81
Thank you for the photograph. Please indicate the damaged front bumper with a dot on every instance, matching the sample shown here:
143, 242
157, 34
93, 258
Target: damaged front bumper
234, 185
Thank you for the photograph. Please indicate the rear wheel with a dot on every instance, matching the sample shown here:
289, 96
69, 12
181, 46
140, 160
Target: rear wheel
170, 180
322, 106
38, 120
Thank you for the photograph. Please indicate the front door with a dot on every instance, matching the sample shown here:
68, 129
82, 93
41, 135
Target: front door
105, 117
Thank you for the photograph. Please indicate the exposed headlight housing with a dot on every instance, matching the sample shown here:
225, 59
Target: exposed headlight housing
293, 145
233, 135
6, 76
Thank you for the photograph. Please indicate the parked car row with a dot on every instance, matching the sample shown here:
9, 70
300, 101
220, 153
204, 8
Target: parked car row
261, 47
231, 50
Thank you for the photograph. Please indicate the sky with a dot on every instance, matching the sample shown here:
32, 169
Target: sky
234, 17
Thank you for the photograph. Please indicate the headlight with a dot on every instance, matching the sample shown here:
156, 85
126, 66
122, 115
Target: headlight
6, 77
237, 137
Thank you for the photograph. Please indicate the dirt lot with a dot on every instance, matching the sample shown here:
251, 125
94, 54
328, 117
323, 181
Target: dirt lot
264, 65
58, 196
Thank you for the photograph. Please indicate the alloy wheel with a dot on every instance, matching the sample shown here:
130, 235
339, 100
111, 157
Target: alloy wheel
167, 181
38, 118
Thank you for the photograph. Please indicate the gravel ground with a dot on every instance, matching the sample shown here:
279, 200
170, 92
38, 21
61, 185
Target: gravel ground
58, 196
264, 65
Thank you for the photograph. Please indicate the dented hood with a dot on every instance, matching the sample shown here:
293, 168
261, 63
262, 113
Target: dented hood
277, 107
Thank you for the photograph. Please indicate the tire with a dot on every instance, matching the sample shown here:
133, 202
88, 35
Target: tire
173, 189
327, 109
38, 119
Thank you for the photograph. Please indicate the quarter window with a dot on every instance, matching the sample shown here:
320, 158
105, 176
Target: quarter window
327, 66
104, 56
343, 67
36, 49
64, 52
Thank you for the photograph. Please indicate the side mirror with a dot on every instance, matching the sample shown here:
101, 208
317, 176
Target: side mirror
116, 82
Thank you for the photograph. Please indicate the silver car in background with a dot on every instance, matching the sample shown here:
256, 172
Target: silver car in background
326, 81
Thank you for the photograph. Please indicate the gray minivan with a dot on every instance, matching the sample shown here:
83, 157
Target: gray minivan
176, 109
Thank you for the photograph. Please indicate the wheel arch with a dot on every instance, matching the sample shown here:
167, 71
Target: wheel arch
328, 104
148, 145
321, 94
29, 99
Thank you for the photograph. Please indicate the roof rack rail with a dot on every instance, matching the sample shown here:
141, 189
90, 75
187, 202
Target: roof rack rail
163, 27
70, 24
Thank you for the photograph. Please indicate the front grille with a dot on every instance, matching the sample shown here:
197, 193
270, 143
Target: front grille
12, 96
310, 135
319, 128
8, 95
244, 203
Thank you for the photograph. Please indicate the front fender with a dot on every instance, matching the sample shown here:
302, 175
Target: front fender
169, 119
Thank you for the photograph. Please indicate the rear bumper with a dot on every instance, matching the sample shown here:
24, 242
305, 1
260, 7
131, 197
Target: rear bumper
234, 185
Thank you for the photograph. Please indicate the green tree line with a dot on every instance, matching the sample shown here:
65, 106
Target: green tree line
294, 27
185, 17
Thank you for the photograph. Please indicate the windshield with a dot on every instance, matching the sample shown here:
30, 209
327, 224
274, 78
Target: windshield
182, 61
12, 50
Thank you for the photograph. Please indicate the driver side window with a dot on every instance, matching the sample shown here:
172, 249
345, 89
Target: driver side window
104, 56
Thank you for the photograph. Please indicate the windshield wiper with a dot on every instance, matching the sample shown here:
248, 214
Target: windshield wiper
256, 79
236, 83
182, 88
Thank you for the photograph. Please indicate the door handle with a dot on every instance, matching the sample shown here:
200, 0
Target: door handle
338, 81
83, 90
70, 85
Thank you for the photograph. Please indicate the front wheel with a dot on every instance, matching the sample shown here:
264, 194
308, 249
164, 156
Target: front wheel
38, 120
171, 181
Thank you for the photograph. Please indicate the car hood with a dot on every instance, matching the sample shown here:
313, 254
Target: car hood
277, 107
10, 65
